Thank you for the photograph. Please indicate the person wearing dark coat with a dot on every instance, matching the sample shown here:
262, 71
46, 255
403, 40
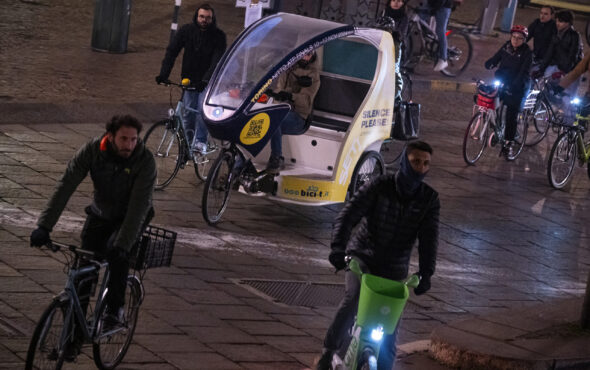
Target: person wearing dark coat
514, 61
542, 30
203, 45
396, 10
387, 215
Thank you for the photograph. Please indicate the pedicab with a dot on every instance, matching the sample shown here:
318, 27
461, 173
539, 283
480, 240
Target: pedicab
345, 138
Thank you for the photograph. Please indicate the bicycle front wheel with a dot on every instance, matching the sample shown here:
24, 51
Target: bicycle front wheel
367, 360
111, 343
562, 160
538, 123
46, 351
520, 137
459, 53
203, 162
163, 141
474, 141
217, 188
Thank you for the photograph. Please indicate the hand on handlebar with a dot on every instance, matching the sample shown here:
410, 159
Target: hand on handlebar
337, 259
424, 285
162, 80
40, 237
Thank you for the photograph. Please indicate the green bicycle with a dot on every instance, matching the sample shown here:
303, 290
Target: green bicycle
381, 303
569, 147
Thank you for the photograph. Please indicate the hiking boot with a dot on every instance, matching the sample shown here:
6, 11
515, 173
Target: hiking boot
440, 65
325, 361
275, 164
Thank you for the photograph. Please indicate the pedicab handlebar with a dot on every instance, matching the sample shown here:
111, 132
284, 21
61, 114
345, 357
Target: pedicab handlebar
357, 267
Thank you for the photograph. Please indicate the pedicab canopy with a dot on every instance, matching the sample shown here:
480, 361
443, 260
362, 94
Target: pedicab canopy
260, 54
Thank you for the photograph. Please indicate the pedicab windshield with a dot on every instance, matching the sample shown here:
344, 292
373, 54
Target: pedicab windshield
262, 47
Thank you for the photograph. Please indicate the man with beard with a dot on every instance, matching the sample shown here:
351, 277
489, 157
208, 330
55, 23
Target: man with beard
203, 45
385, 217
123, 173
542, 30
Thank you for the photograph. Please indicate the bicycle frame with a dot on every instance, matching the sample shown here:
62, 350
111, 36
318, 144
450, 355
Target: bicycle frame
583, 149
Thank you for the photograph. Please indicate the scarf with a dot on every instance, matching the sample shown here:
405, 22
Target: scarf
406, 179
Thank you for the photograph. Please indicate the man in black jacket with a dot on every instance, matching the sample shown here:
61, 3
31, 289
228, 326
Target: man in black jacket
542, 31
391, 212
123, 173
203, 45
565, 50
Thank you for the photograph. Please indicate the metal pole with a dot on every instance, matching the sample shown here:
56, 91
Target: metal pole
174, 25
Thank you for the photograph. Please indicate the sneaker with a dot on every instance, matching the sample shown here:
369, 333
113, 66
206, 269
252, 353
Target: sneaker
440, 65
325, 361
509, 150
275, 163
113, 319
200, 148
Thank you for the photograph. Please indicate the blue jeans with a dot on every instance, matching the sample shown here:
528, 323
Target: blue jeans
442, 21
344, 319
292, 124
193, 118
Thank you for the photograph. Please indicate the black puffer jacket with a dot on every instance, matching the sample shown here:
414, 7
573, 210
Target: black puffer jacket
202, 51
389, 227
564, 50
514, 67
542, 33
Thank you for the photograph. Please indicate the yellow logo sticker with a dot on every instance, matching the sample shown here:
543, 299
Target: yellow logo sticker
255, 129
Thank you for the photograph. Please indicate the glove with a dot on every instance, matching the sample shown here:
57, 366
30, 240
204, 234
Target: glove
284, 95
40, 237
117, 254
424, 285
200, 86
161, 80
337, 259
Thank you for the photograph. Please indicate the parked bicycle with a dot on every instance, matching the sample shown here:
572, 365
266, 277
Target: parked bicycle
422, 43
486, 127
381, 303
168, 142
56, 338
570, 146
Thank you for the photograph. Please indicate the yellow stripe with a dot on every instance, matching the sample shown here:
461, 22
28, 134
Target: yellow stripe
563, 4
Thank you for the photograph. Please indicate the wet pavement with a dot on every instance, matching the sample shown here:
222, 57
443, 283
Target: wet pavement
508, 240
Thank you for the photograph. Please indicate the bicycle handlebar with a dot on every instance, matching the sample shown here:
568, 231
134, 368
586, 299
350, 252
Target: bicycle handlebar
184, 87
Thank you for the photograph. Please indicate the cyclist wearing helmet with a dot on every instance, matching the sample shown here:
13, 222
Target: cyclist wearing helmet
514, 61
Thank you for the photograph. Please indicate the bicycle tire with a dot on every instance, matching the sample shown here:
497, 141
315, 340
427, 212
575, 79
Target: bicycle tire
519, 139
406, 87
367, 361
391, 150
563, 154
538, 123
44, 348
203, 162
164, 143
217, 188
476, 131
109, 350
369, 167
457, 58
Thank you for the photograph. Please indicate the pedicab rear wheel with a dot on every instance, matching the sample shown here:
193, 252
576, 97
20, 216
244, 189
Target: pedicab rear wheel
369, 167
217, 188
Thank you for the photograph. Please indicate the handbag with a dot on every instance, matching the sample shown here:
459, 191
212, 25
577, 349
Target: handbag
407, 122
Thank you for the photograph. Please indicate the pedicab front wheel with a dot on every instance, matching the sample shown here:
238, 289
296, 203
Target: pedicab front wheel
217, 188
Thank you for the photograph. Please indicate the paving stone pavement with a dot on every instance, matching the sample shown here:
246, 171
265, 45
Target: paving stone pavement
507, 239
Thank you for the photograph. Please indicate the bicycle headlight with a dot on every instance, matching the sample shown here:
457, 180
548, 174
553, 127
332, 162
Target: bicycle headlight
575, 101
497, 83
377, 334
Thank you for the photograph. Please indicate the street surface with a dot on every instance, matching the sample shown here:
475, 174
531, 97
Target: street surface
507, 239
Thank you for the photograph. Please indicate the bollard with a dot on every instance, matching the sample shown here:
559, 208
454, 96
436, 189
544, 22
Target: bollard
174, 25
488, 19
508, 16
111, 25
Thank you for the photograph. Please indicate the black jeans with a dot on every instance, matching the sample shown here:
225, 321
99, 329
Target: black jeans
338, 331
98, 235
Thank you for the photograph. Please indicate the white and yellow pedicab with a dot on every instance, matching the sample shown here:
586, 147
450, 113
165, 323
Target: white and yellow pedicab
351, 122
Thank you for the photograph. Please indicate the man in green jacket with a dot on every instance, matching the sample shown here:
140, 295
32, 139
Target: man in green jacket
123, 172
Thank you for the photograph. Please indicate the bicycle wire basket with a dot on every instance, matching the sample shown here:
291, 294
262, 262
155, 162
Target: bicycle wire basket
155, 249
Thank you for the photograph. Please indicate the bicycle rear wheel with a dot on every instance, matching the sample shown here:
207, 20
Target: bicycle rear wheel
459, 51
474, 141
538, 123
163, 141
111, 344
369, 167
203, 162
45, 350
562, 160
217, 188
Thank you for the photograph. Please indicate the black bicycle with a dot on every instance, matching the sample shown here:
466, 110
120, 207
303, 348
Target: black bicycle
64, 325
